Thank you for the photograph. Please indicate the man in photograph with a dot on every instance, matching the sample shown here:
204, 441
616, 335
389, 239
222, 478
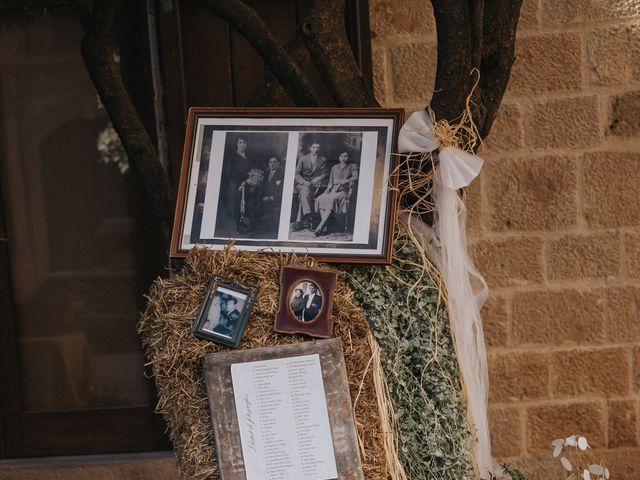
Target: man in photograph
313, 303
271, 198
311, 176
231, 317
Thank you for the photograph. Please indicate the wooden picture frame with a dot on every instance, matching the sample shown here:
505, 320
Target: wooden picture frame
217, 372
224, 312
306, 300
310, 181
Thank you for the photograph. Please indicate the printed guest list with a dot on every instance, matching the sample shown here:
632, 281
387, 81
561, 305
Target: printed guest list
283, 419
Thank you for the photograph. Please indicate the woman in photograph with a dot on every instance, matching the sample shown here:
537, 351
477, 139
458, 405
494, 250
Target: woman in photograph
235, 169
298, 303
342, 178
214, 315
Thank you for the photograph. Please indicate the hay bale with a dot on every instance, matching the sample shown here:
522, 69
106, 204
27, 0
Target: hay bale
174, 354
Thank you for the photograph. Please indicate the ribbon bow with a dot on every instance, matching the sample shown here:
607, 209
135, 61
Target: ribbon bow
446, 244
457, 167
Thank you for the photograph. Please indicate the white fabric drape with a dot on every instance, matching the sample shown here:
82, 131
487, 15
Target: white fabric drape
446, 244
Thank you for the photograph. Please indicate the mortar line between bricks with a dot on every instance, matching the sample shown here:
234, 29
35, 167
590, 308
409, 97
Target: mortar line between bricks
605, 419
388, 78
556, 402
540, 97
636, 409
509, 307
624, 256
605, 313
543, 30
609, 144
584, 62
563, 285
631, 368
582, 222
522, 413
544, 251
559, 402
556, 234
552, 349
546, 455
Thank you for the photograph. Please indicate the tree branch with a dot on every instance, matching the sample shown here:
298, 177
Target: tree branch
498, 55
97, 53
268, 91
250, 25
476, 17
454, 58
324, 34
473, 34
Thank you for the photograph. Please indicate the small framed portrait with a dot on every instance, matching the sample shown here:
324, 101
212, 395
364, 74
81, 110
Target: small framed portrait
306, 299
224, 312
313, 181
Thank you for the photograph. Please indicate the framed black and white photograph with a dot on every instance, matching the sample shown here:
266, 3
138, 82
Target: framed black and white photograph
224, 312
315, 181
306, 300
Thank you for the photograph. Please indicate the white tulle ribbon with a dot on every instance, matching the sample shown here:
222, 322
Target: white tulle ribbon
466, 289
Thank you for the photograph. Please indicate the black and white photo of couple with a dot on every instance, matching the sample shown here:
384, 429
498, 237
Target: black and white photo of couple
306, 301
251, 185
326, 183
224, 313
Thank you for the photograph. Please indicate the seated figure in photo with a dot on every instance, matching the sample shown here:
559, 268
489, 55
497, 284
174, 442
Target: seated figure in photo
270, 199
311, 177
337, 195
312, 303
250, 190
298, 303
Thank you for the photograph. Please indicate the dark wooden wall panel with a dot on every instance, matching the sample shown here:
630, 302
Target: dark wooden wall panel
87, 432
247, 65
10, 397
207, 60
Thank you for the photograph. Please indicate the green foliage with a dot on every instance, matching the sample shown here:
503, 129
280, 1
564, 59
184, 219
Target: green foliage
412, 329
512, 472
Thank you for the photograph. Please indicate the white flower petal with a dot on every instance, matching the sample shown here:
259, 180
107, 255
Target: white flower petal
582, 443
557, 451
566, 464
570, 441
596, 469
606, 473
558, 441
586, 475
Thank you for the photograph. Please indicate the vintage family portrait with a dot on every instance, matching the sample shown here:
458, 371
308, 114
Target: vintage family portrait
320, 184
251, 185
305, 302
326, 182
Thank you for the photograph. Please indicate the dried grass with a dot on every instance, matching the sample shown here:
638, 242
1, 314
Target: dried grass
174, 354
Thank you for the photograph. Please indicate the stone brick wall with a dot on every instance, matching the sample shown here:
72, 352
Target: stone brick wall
554, 222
